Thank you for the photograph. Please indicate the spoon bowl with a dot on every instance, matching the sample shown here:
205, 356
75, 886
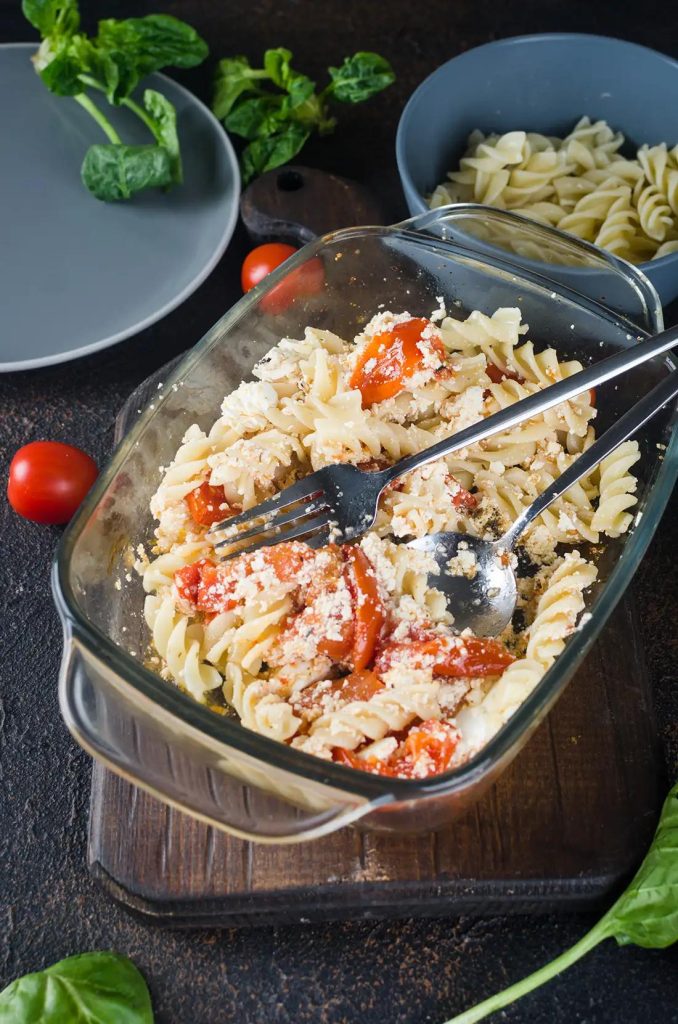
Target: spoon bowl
477, 578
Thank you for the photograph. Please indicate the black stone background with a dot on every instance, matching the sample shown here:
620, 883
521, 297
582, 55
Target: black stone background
403, 972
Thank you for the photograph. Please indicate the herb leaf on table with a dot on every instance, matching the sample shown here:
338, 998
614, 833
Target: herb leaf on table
646, 914
112, 64
276, 109
101, 987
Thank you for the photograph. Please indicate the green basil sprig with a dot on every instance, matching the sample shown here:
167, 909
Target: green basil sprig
646, 914
101, 987
277, 108
112, 64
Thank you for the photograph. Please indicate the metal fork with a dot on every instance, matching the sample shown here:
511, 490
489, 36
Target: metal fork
339, 502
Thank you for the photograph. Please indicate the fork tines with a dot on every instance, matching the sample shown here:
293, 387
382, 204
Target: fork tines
305, 516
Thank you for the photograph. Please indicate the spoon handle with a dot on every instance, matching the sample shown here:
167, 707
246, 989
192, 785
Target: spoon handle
628, 424
553, 395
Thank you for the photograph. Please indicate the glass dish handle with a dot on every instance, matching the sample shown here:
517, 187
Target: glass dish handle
236, 794
517, 241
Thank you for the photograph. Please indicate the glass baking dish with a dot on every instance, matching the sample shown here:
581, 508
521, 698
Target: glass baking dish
207, 764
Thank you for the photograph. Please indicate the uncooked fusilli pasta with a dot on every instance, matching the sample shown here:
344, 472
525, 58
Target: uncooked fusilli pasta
579, 184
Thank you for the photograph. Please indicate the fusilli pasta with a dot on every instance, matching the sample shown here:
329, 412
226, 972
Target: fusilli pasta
350, 652
579, 184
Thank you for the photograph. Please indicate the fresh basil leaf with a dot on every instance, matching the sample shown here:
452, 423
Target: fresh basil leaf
646, 913
113, 171
234, 78
101, 987
153, 42
360, 77
52, 17
255, 118
263, 155
165, 118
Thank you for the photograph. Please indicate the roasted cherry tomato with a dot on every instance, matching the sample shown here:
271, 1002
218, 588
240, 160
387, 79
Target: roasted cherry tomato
208, 505
429, 747
212, 591
368, 610
455, 657
428, 750
261, 261
48, 480
390, 358
356, 686
188, 579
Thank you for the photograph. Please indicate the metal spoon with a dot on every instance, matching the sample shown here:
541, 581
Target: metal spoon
484, 600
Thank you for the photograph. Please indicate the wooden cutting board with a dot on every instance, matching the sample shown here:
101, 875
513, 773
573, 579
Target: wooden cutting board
562, 827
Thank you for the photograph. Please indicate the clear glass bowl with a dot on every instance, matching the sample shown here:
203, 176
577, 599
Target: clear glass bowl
209, 765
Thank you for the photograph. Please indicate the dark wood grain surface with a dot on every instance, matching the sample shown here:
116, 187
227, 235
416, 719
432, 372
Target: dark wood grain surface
405, 972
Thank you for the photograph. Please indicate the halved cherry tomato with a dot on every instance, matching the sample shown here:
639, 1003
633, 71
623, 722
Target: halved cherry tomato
497, 375
430, 746
338, 649
306, 280
261, 261
208, 505
428, 750
356, 686
368, 609
217, 582
48, 480
188, 579
390, 358
454, 657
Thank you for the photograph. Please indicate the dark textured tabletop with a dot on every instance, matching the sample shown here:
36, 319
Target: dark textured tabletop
403, 972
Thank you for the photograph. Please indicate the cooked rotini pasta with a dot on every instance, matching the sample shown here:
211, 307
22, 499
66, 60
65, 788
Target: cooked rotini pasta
579, 184
349, 652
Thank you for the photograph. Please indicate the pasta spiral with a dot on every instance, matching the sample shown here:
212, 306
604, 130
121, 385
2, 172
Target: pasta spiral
580, 184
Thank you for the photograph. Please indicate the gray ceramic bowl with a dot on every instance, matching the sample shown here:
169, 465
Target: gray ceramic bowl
542, 83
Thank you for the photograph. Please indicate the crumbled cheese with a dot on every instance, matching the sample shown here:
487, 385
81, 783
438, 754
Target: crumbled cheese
464, 563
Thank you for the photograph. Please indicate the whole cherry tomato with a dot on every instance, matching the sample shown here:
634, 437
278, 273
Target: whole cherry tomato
48, 480
261, 261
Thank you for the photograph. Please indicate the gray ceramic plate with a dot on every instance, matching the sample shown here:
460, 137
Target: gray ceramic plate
76, 274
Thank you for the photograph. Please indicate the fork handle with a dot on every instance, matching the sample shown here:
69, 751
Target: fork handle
628, 424
591, 377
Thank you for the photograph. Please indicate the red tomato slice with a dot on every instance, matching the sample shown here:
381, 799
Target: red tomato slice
189, 579
356, 686
368, 609
428, 750
454, 657
216, 583
429, 747
208, 505
261, 261
48, 481
390, 358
